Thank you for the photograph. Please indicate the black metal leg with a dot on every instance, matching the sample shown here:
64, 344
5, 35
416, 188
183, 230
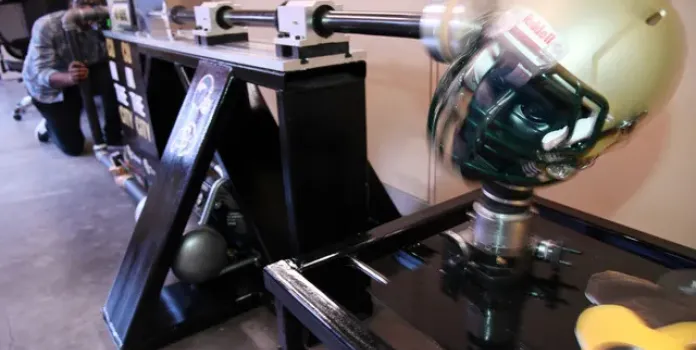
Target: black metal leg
250, 151
137, 311
290, 330
323, 143
382, 208
91, 112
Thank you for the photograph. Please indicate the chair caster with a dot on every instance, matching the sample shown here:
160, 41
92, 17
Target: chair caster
17, 116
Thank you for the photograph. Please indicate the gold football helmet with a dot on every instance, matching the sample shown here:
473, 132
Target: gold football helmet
553, 85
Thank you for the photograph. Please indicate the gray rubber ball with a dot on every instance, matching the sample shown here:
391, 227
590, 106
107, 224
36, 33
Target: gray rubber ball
202, 255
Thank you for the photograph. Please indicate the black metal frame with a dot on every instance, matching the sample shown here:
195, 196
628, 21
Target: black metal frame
300, 304
283, 179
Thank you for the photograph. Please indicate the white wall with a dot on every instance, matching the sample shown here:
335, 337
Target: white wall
658, 196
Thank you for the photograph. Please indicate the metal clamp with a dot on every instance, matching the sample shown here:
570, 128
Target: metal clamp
553, 252
211, 29
296, 24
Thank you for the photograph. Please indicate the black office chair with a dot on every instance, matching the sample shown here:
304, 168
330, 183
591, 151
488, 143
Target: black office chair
16, 49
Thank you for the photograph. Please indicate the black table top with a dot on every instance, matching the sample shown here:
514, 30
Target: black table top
508, 318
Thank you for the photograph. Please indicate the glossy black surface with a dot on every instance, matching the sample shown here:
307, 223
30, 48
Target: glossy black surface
513, 320
647, 246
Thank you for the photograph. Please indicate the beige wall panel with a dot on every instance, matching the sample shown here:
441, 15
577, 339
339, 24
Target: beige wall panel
397, 102
650, 183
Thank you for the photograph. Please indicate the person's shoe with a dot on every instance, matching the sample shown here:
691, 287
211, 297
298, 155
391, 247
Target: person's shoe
41, 131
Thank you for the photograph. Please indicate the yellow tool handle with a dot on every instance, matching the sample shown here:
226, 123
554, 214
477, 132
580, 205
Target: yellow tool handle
606, 326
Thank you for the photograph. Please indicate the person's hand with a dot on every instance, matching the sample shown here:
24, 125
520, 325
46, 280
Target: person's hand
78, 71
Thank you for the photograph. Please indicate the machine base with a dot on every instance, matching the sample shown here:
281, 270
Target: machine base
184, 309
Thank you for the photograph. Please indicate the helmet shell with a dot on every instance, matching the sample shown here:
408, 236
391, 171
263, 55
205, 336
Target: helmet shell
630, 51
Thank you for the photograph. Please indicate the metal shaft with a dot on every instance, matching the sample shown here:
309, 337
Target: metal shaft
369, 271
182, 15
240, 264
402, 25
251, 18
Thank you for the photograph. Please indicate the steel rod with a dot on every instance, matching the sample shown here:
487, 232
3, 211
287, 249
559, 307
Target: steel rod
240, 264
369, 271
402, 25
212, 198
181, 15
393, 24
134, 189
251, 18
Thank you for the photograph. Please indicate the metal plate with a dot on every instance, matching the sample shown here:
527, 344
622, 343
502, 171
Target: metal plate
252, 54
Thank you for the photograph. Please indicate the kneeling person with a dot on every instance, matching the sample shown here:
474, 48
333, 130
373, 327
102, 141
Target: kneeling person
51, 77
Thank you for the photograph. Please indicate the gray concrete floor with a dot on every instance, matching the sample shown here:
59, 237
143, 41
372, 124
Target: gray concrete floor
64, 226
